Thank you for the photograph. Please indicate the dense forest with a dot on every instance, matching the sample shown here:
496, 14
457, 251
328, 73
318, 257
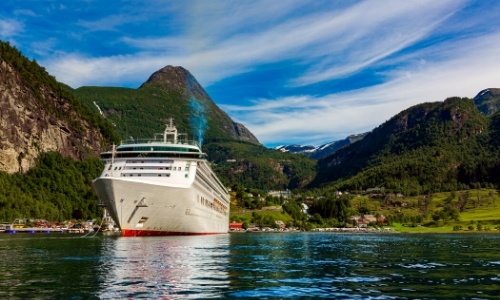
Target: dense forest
52, 190
255, 166
431, 147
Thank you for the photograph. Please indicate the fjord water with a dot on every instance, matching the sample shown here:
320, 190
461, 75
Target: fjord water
336, 265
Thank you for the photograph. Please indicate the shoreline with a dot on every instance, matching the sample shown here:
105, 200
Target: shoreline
375, 232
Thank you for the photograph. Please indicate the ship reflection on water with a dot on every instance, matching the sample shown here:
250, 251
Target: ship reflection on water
172, 267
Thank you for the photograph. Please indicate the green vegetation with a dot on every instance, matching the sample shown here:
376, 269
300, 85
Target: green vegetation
263, 217
244, 198
431, 147
471, 210
52, 190
139, 113
255, 166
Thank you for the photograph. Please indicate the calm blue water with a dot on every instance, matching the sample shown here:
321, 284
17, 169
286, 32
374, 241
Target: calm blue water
309, 265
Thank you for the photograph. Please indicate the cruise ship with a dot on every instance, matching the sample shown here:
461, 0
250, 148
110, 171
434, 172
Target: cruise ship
162, 186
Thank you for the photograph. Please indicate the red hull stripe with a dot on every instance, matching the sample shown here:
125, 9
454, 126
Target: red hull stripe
129, 232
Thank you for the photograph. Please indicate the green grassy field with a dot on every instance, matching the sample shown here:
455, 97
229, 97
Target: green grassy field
482, 205
476, 206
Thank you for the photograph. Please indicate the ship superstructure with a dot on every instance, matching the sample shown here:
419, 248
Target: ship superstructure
162, 186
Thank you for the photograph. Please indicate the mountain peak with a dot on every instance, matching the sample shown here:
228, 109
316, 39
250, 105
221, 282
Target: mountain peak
488, 101
176, 79
169, 78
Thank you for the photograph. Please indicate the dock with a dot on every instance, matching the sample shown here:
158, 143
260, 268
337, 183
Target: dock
45, 230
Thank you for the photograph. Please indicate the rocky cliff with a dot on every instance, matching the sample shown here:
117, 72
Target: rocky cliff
34, 118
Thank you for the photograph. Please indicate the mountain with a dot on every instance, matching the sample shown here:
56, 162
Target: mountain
49, 144
172, 92
430, 147
38, 115
488, 101
323, 150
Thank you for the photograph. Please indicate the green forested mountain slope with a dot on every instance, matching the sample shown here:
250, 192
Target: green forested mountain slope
172, 92
430, 147
259, 167
137, 113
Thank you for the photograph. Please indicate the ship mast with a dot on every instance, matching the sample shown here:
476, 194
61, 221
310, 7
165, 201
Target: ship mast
170, 130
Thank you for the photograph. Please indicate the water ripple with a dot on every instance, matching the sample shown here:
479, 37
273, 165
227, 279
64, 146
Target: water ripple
344, 266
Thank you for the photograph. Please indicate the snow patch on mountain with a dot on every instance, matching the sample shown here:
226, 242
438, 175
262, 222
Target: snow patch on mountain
320, 151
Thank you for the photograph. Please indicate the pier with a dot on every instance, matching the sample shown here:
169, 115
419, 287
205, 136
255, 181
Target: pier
45, 230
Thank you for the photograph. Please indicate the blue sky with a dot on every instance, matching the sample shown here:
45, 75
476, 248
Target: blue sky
306, 72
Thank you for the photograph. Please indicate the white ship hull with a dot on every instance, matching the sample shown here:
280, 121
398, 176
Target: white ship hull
162, 187
165, 210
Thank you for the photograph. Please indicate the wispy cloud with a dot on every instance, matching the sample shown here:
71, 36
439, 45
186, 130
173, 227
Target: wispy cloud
107, 23
314, 120
338, 39
44, 47
25, 12
76, 69
383, 55
152, 44
10, 28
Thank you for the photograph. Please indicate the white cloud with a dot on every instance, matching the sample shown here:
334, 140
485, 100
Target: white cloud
217, 40
307, 119
368, 38
224, 45
76, 70
163, 43
107, 23
10, 28
25, 12
44, 47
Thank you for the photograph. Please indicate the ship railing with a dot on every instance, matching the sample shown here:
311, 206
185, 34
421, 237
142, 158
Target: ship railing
160, 141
